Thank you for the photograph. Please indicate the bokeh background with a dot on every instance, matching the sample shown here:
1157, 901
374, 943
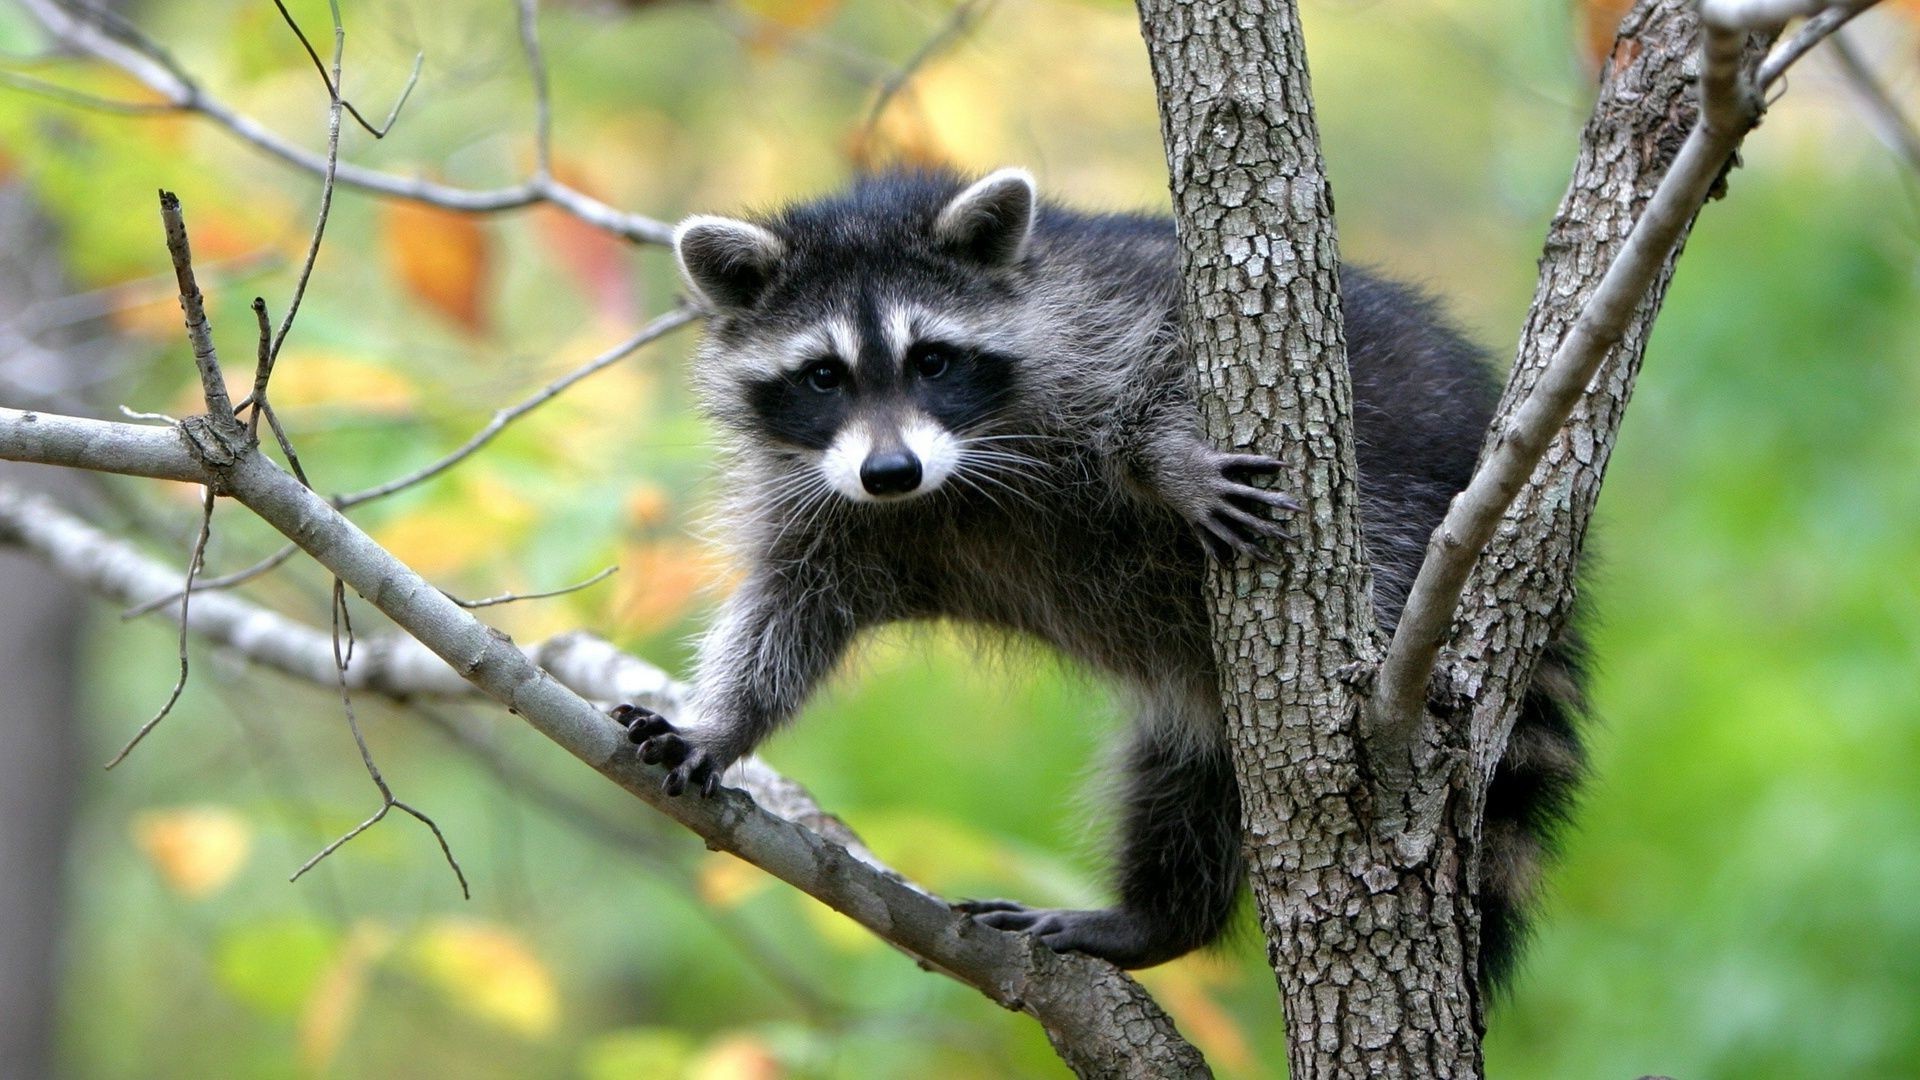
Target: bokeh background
1737, 898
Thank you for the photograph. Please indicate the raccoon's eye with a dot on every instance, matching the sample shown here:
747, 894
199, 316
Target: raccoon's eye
930, 361
826, 376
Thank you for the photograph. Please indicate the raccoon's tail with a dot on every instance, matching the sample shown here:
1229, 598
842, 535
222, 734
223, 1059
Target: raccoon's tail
1530, 796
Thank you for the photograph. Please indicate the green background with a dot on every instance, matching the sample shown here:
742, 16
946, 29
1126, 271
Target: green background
1737, 894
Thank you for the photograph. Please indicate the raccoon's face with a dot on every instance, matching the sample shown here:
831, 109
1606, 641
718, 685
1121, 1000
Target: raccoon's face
864, 336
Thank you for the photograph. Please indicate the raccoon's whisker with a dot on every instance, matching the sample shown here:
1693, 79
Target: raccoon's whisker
978, 472
1024, 468
960, 476
802, 505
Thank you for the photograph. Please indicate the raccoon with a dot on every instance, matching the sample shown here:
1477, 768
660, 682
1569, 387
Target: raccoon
951, 401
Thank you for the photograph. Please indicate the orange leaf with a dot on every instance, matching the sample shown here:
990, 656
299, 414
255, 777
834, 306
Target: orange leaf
1599, 20
736, 1057
492, 973
196, 849
660, 582
443, 259
330, 1009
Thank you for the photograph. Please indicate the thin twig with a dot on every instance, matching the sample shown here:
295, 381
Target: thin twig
327, 174
133, 52
1812, 33
508, 598
226, 581
1883, 113
659, 327
963, 18
1730, 106
542, 100
66, 95
342, 656
213, 386
262, 365
333, 83
194, 562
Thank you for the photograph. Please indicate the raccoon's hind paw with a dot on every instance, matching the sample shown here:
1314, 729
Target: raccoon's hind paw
663, 744
1112, 934
1223, 512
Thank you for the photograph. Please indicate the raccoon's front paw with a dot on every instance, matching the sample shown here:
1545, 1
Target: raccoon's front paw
661, 743
1222, 505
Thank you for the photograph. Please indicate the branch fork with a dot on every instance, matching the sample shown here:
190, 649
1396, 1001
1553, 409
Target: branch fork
1731, 102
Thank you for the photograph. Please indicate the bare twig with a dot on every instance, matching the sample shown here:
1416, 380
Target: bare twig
342, 654
66, 95
122, 45
659, 327
333, 82
327, 175
509, 598
1883, 113
1729, 107
194, 562
226, 581
958, 23
542, 101
213, 386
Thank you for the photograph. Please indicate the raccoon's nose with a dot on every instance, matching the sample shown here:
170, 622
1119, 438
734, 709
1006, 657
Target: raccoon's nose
890, 472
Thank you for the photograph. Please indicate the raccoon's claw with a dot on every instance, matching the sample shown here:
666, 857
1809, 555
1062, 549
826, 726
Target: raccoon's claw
663, 744
1112, 934
1228, 526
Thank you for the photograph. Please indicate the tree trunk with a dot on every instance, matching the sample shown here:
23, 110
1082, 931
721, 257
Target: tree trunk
39, 740
1371, 957
1372, 943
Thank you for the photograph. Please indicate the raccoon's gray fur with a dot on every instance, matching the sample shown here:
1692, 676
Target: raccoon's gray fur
947, 401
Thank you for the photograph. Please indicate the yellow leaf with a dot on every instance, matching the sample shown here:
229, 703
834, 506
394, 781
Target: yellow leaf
197, 850
1599, 20
326, 379
438, 540
336, 997
442, 257
736, 1057
491, 973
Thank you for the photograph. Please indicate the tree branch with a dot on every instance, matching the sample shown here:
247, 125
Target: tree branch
1883, 113
1099, 1020
1729, 107
126, 48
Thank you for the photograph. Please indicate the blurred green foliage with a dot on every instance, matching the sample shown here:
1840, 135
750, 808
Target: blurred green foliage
1736, 899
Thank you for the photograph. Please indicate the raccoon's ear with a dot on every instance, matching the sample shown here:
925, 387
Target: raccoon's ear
727, 263
991, 220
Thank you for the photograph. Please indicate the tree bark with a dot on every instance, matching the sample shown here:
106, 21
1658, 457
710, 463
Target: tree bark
1372, 936
1370, 956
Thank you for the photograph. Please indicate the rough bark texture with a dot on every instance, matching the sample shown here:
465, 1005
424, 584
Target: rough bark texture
1371, 957
1522, 589
1372, 943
